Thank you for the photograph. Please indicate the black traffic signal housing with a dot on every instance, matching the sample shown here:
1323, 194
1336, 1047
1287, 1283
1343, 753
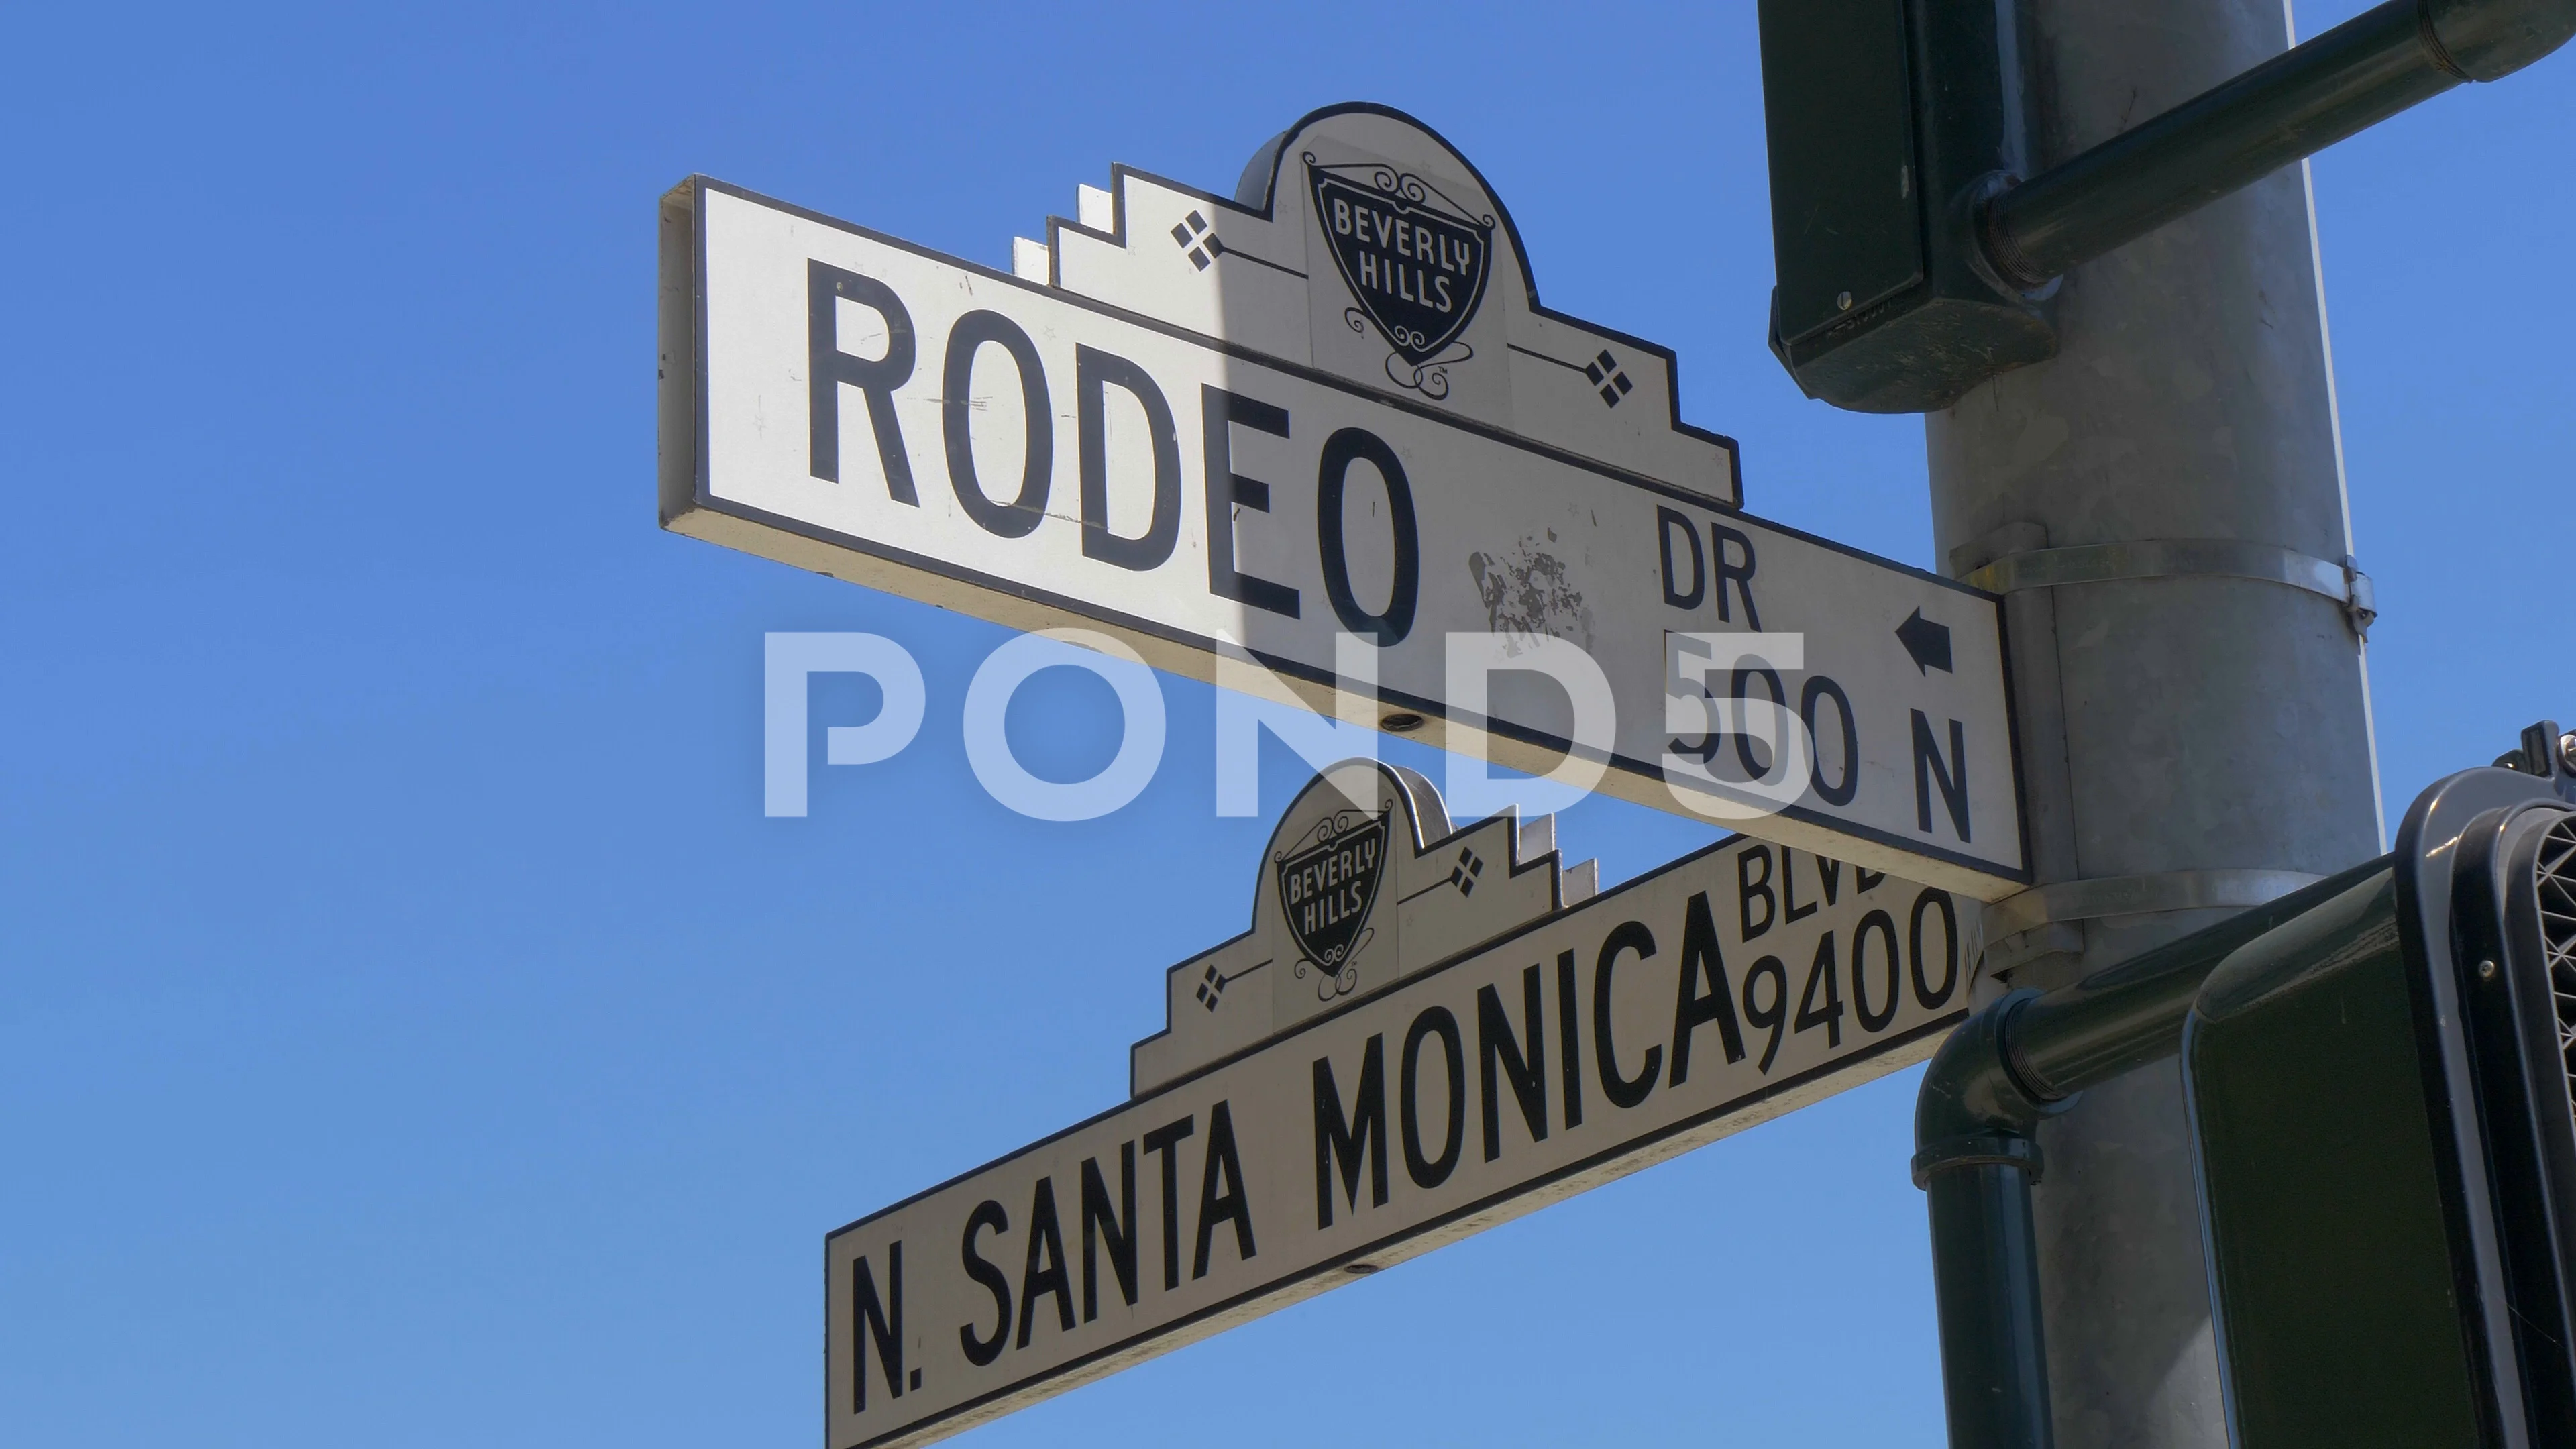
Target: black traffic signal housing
1916, 251
1890, 123
2385, 1136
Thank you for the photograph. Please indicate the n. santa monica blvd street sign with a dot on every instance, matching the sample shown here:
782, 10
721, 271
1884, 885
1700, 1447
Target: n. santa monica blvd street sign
1332, 406
1425, 1033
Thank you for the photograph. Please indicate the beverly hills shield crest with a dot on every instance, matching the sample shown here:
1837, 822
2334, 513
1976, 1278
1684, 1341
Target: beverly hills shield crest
1413, 256
1416, 288
1363, 881
1327, 886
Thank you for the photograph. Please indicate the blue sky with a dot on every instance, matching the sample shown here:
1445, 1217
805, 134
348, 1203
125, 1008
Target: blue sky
410, 1028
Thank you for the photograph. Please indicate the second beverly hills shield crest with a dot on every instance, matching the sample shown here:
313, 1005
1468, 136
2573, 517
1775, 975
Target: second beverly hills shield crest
1327, 887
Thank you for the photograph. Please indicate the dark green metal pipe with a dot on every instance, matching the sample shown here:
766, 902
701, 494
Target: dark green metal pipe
2296, 104
2123, 1017
1975, 1161
1985, 1269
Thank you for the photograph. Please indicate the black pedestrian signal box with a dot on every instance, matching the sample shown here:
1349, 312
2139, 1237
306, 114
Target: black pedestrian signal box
1889, 121
2380, 1092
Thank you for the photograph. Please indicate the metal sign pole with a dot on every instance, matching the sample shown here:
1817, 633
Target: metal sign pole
2194, 738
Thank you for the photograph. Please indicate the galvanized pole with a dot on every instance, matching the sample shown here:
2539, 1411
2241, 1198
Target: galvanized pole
2193, 699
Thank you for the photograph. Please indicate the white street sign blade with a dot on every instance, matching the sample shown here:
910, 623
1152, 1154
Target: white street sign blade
1206, 426
1397, 1102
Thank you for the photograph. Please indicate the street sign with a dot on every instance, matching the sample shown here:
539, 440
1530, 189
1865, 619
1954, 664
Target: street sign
1425, 1033
1333, 406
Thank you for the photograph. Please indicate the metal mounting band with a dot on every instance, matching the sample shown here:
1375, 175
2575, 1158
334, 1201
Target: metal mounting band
2138, 895
2151, 558
1983, 1149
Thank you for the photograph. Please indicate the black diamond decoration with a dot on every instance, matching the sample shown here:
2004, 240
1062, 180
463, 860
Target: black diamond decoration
1463, 874
1605, 375
1194, 238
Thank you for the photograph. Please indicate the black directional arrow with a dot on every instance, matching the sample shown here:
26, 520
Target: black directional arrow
1926, 643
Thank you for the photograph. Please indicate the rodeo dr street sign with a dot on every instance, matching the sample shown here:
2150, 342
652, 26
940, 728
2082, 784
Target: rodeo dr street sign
1330, 405
1426, 1032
